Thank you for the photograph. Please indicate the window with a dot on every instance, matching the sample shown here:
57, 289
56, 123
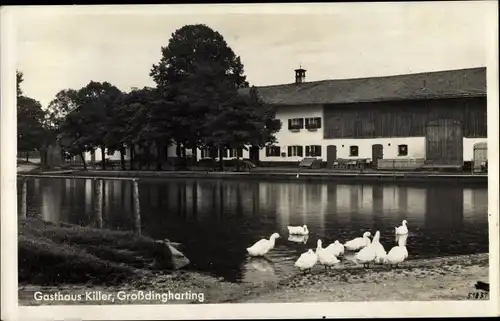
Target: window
235, 152
313, 123
295, 151
273, 151
353, 151
313, 151
296, 123
402, 150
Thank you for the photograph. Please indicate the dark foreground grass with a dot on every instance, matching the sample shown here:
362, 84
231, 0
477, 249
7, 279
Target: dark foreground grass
52, 254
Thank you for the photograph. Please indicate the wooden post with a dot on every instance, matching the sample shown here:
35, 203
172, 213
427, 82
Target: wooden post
98, 202
137, 205
24, 197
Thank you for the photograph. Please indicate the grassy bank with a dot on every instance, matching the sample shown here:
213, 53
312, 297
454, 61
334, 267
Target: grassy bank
63, 254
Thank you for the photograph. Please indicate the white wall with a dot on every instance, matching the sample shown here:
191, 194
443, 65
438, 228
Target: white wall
114, 157
416, 147
469, 147
303, 137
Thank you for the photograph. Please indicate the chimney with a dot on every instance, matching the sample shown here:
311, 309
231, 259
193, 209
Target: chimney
300, 75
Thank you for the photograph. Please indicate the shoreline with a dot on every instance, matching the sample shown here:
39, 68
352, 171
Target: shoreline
444, 278
281, 174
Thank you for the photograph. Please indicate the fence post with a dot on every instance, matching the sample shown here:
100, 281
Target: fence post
137, 205
24, 198
99, 201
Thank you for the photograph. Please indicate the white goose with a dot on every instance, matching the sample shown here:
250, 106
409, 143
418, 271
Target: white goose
336, 248
325, 256
403, 229
298, 230
397, 254
263, 246
366, 255
307, 260
359, 242
380, 252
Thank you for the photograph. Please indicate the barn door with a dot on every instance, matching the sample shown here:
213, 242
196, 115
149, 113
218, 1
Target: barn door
331, 155
377, 153
444, 142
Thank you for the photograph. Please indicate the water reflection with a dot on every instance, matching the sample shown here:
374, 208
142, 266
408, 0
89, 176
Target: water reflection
258, 270
298, 238
216, 220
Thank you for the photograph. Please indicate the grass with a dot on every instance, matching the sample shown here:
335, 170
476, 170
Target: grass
61, 253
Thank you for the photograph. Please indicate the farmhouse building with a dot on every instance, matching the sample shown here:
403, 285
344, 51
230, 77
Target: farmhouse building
432, 119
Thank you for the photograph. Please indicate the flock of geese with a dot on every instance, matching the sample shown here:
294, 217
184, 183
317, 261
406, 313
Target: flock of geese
368, 251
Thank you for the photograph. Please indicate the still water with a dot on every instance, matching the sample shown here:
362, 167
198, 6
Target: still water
216, 220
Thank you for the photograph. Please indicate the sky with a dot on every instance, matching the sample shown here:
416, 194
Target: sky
67, 47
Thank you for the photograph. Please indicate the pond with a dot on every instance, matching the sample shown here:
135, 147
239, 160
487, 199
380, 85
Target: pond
216, 220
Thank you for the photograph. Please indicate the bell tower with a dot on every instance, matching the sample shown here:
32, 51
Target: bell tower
300, 75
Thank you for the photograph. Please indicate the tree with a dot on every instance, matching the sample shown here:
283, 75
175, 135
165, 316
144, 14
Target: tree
19, 79
241, 121
30, 121
63, 122
195, 57
30, 130
95, 106
140, 119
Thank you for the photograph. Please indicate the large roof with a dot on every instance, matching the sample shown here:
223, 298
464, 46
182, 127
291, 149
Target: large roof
429, 85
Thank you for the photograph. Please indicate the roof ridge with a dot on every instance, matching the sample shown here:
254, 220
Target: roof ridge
375, 77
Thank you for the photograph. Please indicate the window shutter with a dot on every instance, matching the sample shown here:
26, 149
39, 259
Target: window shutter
278, 151
300, 149
289, 124
318, 121
318, 151
267, 151
240, 152
289, 150
308, 150
301, 123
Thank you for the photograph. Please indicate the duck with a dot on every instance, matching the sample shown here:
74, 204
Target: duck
359, 242
366, 255
397, 254
336, 248
325, 256
298, 230
260, 248
307, 260
403, 229
380, 252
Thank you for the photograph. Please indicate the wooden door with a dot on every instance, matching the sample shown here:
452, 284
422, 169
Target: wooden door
331, 155
377, 153
444, 142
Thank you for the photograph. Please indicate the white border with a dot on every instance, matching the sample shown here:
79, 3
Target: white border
10, 309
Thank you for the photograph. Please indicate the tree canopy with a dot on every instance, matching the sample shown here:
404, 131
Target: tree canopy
196, 104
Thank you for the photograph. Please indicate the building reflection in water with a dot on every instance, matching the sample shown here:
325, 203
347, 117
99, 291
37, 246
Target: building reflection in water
440, 216
474, 200
51, 199
302, 204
